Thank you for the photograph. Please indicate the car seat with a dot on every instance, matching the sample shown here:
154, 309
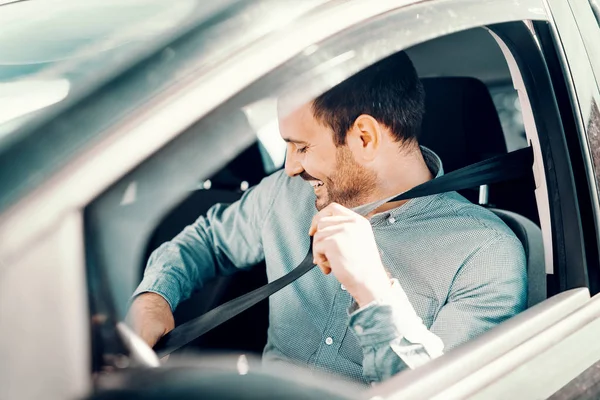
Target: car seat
461, 125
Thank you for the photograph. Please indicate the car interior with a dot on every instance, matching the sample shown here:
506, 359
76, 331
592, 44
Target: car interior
472, 114
461, 125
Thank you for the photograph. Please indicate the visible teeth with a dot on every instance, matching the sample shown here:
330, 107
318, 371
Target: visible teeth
316, 183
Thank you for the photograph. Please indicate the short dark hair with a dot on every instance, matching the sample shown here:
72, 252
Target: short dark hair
390, 91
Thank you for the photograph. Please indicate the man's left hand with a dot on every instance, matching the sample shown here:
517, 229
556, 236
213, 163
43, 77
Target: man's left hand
343, 244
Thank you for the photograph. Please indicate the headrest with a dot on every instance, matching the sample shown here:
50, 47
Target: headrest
461, 123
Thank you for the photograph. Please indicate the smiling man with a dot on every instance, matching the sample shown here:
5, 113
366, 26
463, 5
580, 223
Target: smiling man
395, 288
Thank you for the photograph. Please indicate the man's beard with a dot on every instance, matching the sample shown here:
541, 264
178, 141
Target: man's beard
350, 185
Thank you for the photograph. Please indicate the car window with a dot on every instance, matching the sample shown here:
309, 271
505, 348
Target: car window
459, 60
262, 117
593, 132
138, 202
507, 102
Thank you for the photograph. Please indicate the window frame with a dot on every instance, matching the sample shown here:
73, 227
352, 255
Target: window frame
466, 23
574, 64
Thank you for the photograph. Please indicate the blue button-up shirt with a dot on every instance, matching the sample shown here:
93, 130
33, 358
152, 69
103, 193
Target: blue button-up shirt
457, 271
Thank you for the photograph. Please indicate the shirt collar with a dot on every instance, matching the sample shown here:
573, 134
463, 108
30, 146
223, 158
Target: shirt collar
433, 162
413, 206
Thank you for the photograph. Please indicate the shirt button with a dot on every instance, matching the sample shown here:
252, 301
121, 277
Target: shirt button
359, 329
329, 341
343, 287
391, 220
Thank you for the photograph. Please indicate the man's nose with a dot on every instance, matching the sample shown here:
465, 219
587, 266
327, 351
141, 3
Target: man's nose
292, 164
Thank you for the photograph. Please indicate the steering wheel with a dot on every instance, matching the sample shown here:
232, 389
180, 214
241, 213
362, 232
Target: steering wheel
216, 376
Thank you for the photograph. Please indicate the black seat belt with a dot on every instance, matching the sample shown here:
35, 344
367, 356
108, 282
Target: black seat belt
506, 167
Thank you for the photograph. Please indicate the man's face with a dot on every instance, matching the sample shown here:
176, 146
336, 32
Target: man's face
332, 170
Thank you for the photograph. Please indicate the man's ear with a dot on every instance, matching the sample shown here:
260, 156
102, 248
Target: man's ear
364, 138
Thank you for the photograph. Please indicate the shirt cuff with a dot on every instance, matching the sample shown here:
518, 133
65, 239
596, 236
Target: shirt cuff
166, 288
391, 318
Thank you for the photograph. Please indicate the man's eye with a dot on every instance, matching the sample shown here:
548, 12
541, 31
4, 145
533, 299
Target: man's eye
302, 149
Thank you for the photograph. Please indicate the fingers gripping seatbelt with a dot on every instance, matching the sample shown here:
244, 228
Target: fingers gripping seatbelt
506, 167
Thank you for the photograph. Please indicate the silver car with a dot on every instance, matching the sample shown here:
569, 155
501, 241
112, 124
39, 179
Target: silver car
122, 122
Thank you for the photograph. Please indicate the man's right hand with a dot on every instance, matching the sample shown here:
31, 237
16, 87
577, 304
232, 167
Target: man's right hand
150, 317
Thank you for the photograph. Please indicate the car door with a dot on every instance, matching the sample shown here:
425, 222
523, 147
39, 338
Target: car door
90, 241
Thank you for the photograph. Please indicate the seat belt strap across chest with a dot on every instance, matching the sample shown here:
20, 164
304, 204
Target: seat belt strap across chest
505, 167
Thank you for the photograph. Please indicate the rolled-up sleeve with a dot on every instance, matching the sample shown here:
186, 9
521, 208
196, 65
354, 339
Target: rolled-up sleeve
392, 336
489, 288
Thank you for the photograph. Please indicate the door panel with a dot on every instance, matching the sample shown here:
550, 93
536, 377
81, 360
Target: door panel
458, 371
551, 359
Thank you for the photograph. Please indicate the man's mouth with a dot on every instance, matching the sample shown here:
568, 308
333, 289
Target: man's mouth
315, 184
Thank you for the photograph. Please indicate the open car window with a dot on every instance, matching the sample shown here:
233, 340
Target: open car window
319, 68
138, 202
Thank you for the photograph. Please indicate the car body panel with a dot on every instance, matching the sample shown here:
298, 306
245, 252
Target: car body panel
437, 377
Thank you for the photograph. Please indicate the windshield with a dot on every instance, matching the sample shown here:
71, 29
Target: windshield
47, 48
